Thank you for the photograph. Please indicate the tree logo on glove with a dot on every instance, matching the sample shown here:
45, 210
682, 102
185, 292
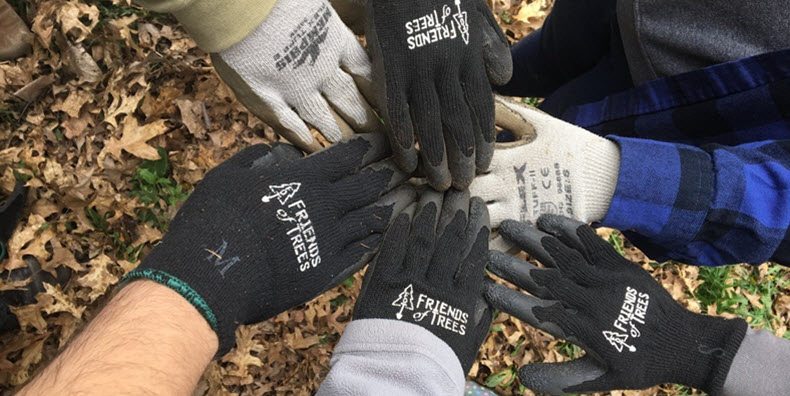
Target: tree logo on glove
434, 27
405, 300
283, 192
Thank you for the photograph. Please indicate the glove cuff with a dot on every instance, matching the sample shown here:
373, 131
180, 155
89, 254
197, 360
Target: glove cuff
601, 167
215, 24
700, 351
225, 336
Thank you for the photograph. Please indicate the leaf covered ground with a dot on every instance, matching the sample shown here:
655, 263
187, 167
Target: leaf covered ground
113, 119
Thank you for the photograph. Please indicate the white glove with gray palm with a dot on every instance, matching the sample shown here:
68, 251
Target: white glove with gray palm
552, 168
302, 66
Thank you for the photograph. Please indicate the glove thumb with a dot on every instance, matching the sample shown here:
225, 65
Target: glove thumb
496, 50
560, 378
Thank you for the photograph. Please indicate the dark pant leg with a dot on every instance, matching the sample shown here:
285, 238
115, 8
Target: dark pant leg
573, 39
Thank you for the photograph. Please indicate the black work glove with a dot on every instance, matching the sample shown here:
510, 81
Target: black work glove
432, 63
268, 230
634, 334
430, 272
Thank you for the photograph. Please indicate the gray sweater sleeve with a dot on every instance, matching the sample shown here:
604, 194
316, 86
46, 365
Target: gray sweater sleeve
760, 366
389, 357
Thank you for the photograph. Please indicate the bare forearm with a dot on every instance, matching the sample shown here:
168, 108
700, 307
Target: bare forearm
148, 340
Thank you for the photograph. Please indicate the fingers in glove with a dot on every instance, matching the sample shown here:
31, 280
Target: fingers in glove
480, 99
500, 244
496, 49
563, 228
361, 223
367, 186
422, 239
448, 253
280, 154
573, 265
517, 272
348, 157
563, 288
349, 103
521, 306
425, 109
454, 202
399, 200
529, 239
479, 222
472, 269
390, 257
395, 107
357, 64
583, 238
273, 110
246, 157
459, 132
359, 253
314, 109
561, 378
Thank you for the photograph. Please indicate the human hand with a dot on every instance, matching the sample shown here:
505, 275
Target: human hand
302, 66
430, 270
268, 230
433, 60
552, 168
634, 334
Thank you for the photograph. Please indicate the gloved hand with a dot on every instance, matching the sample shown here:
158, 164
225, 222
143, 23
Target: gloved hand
431, 59
430, 270
634, 334
268, 230
302, 65
553, 168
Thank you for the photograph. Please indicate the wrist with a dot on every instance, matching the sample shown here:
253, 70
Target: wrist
387, 337
600, 174
215, 24
704, 357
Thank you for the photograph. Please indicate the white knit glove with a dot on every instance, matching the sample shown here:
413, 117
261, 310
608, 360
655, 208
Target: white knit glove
302, 65
553, 167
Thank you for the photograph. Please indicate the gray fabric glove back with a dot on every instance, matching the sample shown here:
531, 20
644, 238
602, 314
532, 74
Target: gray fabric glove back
302, 66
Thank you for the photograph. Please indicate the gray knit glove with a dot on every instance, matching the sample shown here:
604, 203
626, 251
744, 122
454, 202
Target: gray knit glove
553, 168
302, 66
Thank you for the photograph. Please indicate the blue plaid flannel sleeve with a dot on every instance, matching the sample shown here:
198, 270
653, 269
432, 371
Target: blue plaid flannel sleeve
710, 206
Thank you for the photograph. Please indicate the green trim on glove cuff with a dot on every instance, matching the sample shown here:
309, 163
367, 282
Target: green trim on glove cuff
180, 287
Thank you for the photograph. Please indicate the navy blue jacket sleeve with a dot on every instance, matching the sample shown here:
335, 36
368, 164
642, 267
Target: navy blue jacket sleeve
710, 206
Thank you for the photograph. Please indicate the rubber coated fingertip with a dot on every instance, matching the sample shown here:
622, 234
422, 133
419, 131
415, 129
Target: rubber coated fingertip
454, 202
560, 378
406, 158
400, 199
279, 153
559, 225
462, 168
438, 176
478, 214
